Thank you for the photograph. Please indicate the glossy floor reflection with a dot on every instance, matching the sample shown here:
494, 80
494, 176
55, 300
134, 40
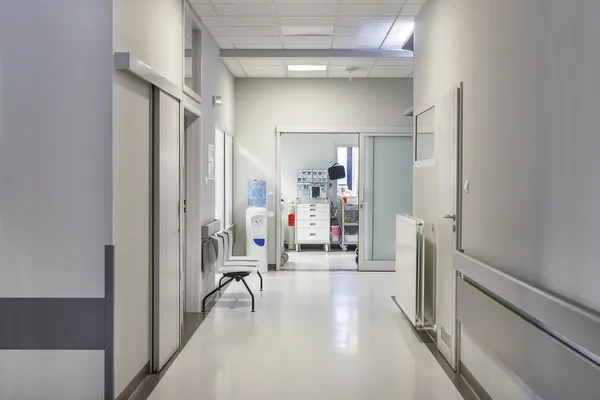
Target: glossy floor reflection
315, 259
314, 335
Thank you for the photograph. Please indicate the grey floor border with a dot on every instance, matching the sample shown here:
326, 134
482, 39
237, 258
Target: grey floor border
109, 315
465, 388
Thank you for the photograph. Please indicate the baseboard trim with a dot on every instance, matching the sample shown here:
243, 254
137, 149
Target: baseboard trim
473, 383
135, 383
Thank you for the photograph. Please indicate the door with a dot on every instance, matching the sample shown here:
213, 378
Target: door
166, 229
447, 148
386, 175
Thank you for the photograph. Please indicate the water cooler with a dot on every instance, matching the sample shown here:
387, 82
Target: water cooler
257, 223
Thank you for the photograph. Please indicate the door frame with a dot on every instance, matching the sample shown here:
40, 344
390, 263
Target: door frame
279, 130
363, 264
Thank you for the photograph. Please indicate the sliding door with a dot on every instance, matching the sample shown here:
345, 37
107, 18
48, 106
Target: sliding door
385, 191
166, 170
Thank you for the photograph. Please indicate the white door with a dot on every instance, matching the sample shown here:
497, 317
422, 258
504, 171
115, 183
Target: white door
386, 176
166, 170
447, 121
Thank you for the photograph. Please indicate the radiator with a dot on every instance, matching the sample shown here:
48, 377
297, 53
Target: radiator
410, 256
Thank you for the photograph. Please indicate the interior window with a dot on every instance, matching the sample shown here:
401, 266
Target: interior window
425, 146
192, 53
348, 157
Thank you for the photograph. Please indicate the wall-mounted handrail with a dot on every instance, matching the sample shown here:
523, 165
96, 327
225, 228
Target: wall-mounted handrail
567, 321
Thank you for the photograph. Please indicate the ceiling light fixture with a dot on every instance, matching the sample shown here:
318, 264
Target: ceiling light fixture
307, 67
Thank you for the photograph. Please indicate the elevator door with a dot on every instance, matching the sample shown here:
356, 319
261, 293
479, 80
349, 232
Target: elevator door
166, 170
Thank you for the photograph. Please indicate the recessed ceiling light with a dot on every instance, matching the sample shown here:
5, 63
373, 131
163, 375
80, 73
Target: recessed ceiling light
307, 30
307, 67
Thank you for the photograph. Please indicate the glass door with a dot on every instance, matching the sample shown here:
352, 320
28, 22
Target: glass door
386, 175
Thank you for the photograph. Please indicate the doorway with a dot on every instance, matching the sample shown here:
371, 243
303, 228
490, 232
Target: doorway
319, 223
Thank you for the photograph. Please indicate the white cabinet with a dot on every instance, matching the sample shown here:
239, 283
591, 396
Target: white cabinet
312, 224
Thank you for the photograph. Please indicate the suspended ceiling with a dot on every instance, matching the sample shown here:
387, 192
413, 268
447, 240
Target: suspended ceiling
360, 30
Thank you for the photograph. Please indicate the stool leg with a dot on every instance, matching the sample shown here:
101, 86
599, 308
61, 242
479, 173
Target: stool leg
249, 291
213, 292
261, 281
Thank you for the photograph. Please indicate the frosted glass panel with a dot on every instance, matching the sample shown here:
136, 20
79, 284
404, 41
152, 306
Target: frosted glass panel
426, 135
388, 191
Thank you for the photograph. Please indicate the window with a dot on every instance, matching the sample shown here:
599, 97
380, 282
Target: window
425, 144
220, 177
348, 157
228, 180
192, 53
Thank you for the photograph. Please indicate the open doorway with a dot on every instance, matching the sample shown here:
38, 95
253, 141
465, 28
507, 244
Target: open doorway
319, 214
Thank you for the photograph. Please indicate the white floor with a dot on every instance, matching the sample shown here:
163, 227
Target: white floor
314, 335
319, 260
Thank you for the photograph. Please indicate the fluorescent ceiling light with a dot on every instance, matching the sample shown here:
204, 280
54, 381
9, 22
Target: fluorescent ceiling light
287, 30
307, 67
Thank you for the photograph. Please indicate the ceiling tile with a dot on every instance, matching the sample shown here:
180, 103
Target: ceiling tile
245, 10
307, 42
390, 72
241, 1
307, 1
395, 62
252, 30
372, 22
356, 42
307, 74
238, 71
255, 40
217, 31
411, 10
252, 62
204, 10
307, 21
231, 62
400, 32
304, 10
262, 72
211, 21
249, 21
224, 42
312, 30
373, 1
341, 72
352, 62
370, 9
346, 30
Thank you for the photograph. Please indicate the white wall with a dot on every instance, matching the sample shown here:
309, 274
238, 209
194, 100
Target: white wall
152, 30
55, 176
530, 141
216, 81
263, 104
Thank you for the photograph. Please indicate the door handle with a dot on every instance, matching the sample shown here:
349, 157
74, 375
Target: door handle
450, 216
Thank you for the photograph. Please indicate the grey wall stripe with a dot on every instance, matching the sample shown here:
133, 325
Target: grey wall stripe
109, 285
51, 324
